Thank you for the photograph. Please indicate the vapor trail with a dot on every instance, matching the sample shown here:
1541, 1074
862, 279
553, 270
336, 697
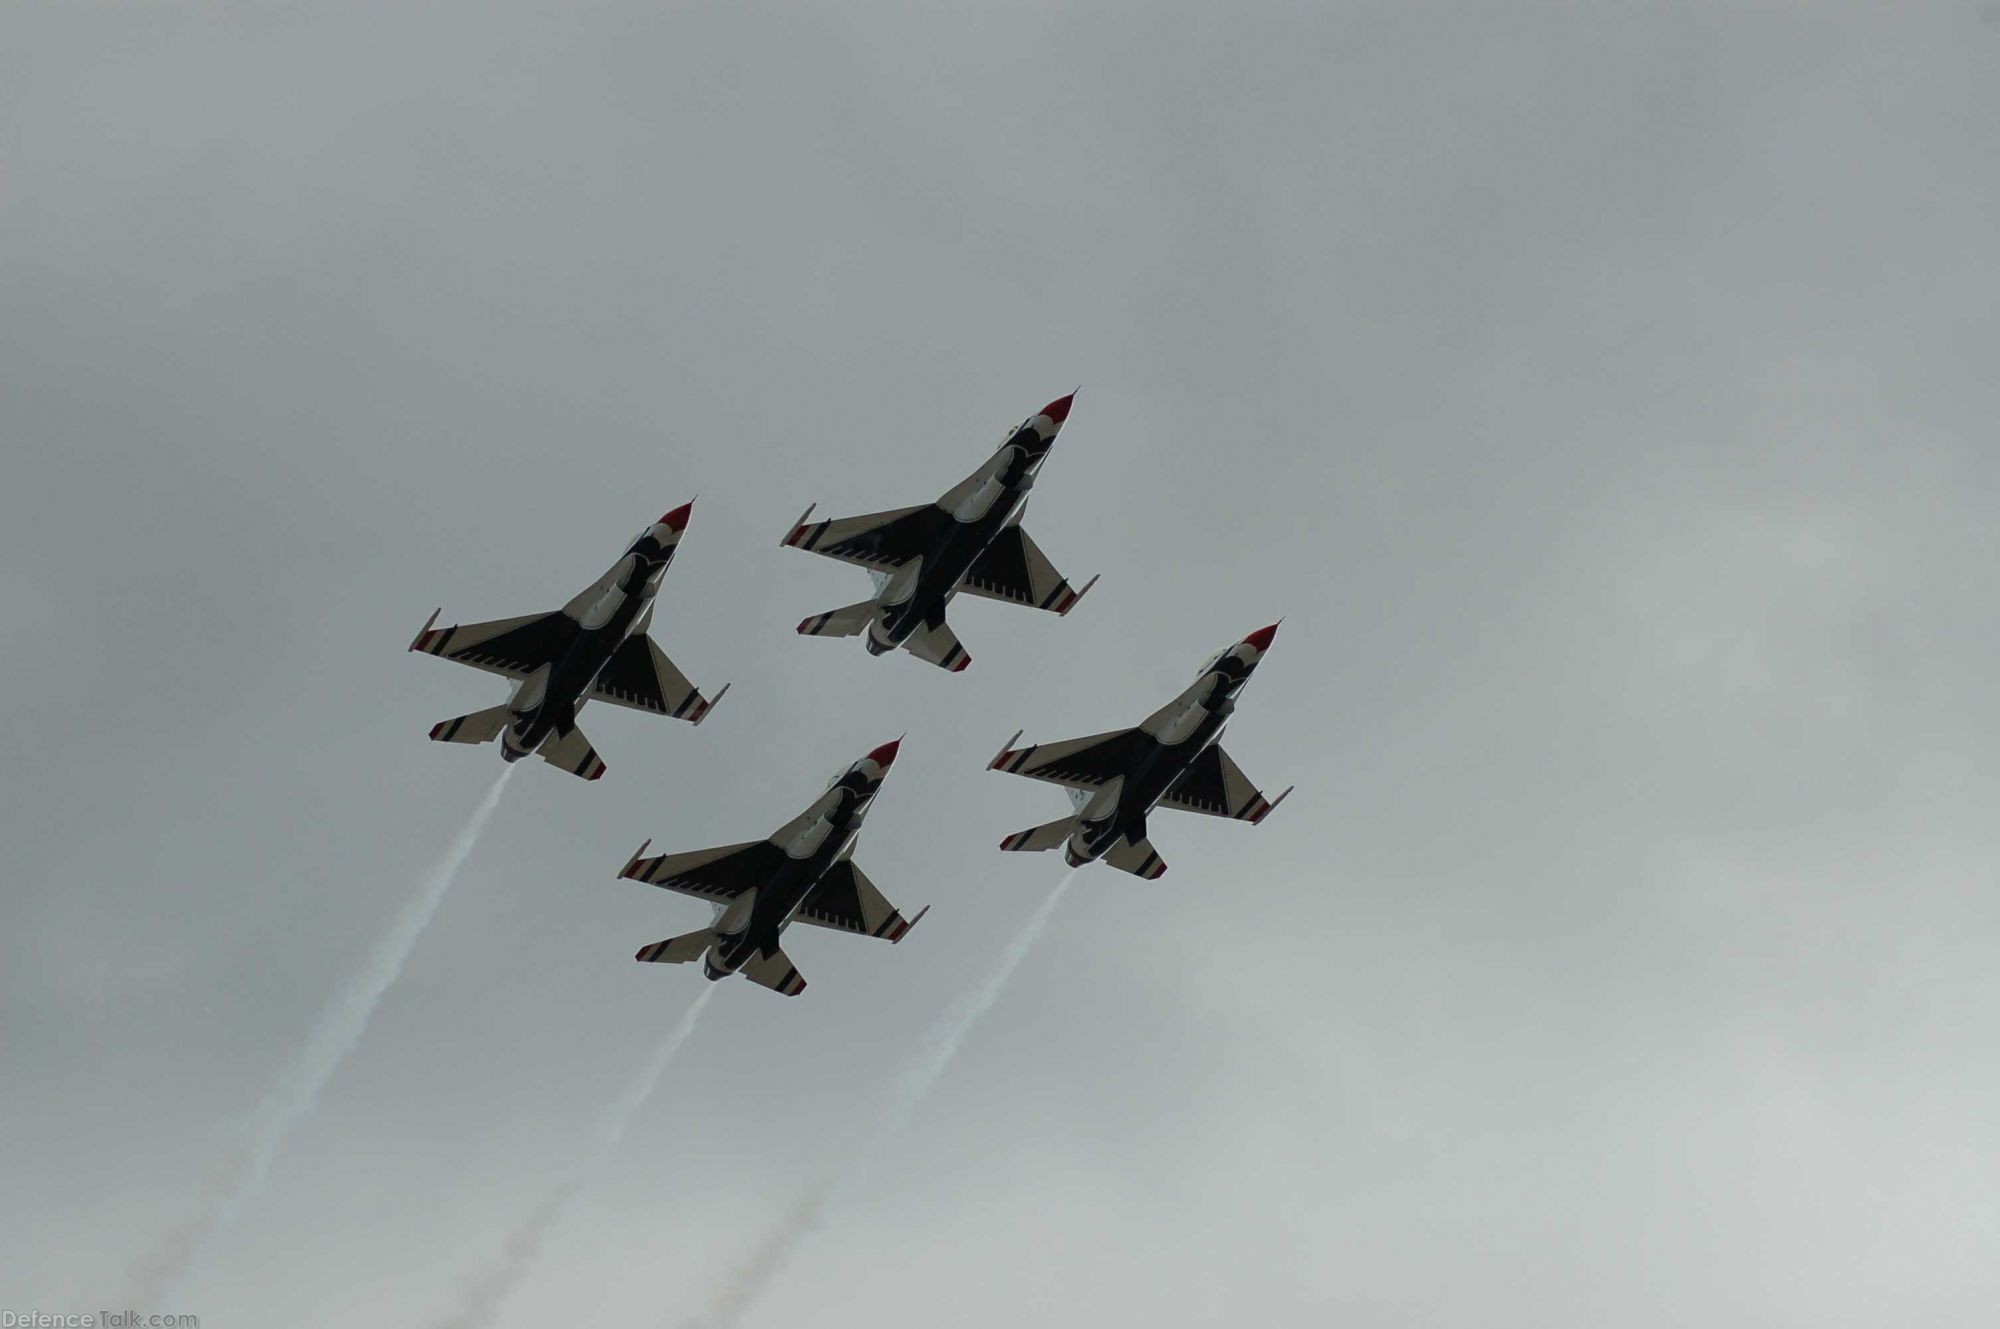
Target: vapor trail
484, 1298
768, 1260
341, 1023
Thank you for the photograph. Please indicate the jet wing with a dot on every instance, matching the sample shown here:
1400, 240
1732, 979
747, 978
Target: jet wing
510, 647
640, 675
846, 901
880, 541
718, 875
1217, 787
1080, 763
1013, 568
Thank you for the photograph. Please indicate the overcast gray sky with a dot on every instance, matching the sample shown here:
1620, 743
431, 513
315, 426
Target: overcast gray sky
1605, 395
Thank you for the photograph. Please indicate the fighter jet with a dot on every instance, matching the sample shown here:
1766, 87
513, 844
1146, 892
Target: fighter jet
1172, 760
969, 540
805, 873
594, 648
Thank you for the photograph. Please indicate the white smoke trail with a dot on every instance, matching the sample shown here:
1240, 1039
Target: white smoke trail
775, 1250
484, 1299
341, 1023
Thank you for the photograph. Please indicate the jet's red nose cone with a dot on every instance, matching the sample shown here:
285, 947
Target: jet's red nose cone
1058, 410
885, 754
1261, 638
678, 518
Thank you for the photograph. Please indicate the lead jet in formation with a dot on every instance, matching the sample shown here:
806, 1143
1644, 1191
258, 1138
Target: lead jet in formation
803, 873
969, 540
1172, 760
594, 648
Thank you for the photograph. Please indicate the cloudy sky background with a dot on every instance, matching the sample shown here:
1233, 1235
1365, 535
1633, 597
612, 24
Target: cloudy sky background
1605, 395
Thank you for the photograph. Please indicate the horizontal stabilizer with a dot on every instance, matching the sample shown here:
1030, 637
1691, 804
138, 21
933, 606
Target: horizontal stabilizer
938, 645
1138, 858
571, 751
775, 972
843, 622
478, 727
677, 950
1036, 838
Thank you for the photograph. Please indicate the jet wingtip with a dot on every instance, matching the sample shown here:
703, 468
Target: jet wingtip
417, 642
1272, 806
711, 704
798, 530
909, 926
1006, 750
1076, 597
633, 861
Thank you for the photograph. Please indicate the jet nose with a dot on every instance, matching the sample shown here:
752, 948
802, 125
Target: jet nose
1261, 638
1058, 410
885, 756
677, 520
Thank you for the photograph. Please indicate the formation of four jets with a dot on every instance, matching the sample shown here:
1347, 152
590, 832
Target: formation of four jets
597, 648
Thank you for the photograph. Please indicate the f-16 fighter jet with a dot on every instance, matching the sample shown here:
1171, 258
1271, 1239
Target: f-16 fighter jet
803, 873
594, 648
969, 540
1172, 760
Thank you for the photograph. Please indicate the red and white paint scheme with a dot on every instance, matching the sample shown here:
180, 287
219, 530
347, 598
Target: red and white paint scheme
803, 872
1173, 759
921, 558
594, 648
